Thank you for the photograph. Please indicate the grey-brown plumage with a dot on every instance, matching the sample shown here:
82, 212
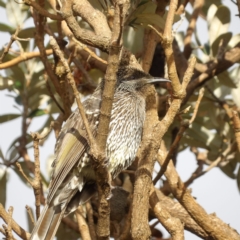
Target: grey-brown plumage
73, 179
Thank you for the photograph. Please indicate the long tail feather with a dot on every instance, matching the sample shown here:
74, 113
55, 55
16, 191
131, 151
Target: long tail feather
48, 223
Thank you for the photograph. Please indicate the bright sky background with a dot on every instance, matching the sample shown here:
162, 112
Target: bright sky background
215, 192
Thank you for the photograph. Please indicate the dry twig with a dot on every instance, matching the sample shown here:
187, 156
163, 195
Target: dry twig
36, 182
173, 225
15, 227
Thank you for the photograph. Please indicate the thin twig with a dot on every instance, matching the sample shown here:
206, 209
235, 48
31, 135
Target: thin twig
15, 227
71, 81
23, 57
91, 53
36, 182
9, 226
156, 31
30, 213
13, 38
172, 224
52, 95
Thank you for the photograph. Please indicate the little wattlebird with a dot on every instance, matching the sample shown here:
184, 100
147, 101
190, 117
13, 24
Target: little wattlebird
73, 178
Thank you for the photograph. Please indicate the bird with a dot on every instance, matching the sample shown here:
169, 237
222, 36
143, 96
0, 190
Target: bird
73, 180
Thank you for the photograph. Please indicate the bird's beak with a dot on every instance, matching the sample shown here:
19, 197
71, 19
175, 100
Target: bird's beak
155, 80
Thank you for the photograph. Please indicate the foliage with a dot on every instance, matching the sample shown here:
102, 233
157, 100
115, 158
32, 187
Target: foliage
34, 92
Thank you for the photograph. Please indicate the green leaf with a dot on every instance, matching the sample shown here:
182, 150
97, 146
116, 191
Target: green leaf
16, 73
130, 39
149, 18
3, 186
229, 169
234, 41
1, 154
5, 83
223, 37
8, 117
235, 73
143, 13
12, 145
219, 24
208, 138
2, 4
37, 112
226, 80
207, 5
15, 13
238, 179
6, 28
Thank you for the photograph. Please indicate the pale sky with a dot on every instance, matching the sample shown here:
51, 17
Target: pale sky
215, 192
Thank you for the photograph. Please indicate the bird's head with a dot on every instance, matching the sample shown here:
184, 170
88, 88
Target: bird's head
133, 79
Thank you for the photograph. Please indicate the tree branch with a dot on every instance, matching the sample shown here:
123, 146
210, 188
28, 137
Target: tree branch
216, 231
15, 227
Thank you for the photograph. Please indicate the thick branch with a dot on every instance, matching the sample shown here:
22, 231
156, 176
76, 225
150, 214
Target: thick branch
173, 225
86, 36
178, 211
104, 120
93, 16
152, 134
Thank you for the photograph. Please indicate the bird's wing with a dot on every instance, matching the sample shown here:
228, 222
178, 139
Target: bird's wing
72, 143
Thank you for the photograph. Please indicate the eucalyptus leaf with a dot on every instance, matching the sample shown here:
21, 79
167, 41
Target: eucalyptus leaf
148, 18
130, 38
234, 41
238, 179
235, 74
2, 4
3, 186
226, 80
6, 28
208, 137
230, 168
5, 83
37, 112
15, 141
225, 38
8, 117
219, 24
1, 154
211, 12
15, 13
